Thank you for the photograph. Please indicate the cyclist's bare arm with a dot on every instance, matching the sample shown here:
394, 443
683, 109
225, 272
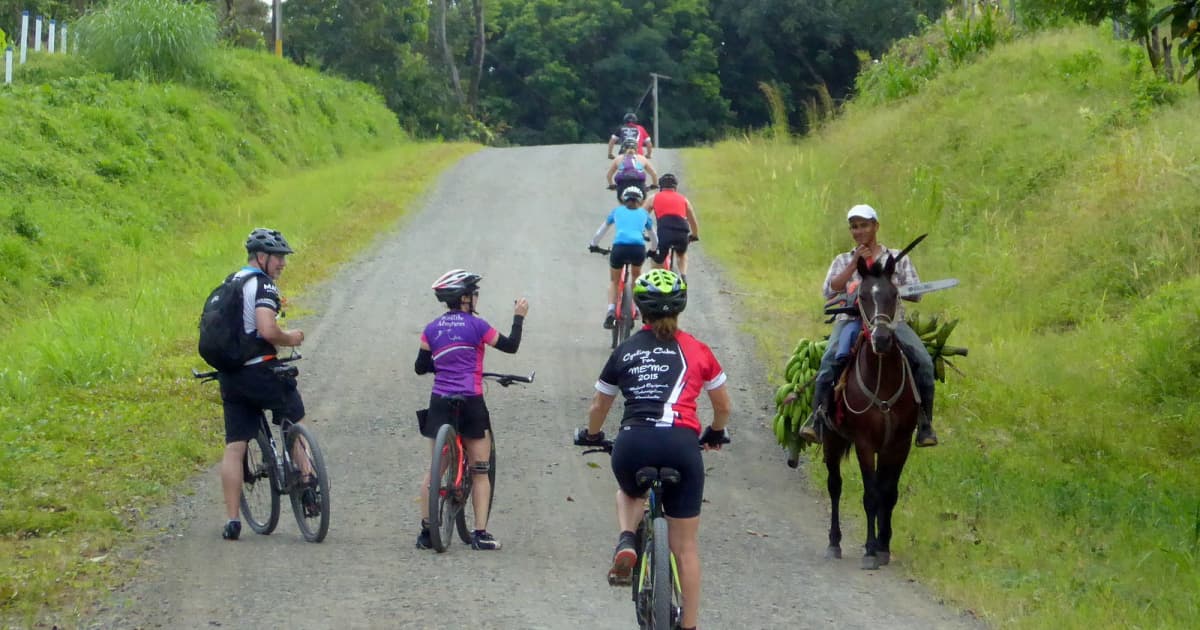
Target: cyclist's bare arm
612, 141
722, 407
650, 169
268, 328
648, 145
612, 170
601, 403
693, 224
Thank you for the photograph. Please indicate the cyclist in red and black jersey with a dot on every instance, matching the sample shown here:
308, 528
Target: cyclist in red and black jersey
676, 221
660, 371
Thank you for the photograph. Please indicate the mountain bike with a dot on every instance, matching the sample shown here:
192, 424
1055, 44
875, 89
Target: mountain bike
626, 312
269, 471
671, 261
450, 475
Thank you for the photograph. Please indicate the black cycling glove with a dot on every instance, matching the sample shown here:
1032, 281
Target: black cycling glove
713, 437
583, 438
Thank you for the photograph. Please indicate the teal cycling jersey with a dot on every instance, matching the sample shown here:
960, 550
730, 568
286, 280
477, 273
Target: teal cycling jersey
629, 225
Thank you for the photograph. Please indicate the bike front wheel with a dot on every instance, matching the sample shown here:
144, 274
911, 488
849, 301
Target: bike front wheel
310, 496
446, 487
463, 518
260, 488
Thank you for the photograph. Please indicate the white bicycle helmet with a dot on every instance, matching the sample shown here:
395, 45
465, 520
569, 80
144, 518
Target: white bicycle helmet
633, 192
451, 286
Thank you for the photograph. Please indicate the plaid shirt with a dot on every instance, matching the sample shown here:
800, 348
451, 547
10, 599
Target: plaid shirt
905, 274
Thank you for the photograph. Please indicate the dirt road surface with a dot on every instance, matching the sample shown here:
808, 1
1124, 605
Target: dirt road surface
522, 217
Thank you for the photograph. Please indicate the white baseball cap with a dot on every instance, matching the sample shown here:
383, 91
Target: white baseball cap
862, 211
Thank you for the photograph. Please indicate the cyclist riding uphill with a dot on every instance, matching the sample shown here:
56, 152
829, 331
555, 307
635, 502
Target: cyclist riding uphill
630, 130
843, 277
256, 386
630, 169
452, 348
676, 221
628, 246
660, 371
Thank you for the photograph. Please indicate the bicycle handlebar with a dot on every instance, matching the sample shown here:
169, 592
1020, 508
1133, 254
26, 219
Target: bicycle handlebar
508, 379
209, 376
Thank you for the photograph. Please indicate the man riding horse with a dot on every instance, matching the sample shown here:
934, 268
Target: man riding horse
864, 227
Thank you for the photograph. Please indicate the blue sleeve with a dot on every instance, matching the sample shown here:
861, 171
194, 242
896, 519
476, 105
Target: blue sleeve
610, 220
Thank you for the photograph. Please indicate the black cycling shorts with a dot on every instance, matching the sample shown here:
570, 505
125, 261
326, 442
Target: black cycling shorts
632, 254
473, 417
673, 447
673, 233
248, 391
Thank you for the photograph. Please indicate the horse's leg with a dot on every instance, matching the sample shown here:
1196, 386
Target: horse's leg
889, 488
866, 463
834, 485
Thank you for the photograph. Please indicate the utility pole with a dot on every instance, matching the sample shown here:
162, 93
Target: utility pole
278, 19
655, 138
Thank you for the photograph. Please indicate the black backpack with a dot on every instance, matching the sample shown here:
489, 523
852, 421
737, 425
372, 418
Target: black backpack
224, 343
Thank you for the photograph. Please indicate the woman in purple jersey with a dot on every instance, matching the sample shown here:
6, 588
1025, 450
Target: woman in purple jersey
452, 348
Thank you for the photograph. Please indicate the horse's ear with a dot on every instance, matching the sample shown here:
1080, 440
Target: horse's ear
863, 269
889, 266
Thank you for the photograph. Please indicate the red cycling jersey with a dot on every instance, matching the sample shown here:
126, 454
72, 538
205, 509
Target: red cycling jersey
668, 203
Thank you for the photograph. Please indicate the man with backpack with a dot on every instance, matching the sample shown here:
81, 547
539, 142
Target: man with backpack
239, 336
630, 169
631, 131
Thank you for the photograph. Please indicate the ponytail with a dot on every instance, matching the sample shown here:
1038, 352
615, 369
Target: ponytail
664, 327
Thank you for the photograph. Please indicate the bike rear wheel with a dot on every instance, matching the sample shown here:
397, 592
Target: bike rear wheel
466, 516
446, 495
260, 488
312, 513
625, 312
662, 589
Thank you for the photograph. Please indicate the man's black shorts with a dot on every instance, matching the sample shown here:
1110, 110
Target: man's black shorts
472, 422
250, 390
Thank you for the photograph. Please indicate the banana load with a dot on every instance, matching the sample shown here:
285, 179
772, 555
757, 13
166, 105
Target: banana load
794, 399
933, 334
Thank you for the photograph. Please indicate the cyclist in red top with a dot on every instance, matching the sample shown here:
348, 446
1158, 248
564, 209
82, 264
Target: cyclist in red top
660, 371
631, 131
676, 220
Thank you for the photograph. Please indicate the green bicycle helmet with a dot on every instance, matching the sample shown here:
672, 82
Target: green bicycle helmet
659, 293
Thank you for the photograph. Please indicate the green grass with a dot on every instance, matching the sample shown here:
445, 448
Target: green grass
125, 204
1058, 181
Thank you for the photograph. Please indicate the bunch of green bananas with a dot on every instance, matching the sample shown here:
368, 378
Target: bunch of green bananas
794, 399
933, 334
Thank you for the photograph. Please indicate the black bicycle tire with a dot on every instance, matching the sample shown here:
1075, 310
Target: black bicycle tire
661, 565
460, 520
625, 319
318, 464
264, 472
642, 537
442, 507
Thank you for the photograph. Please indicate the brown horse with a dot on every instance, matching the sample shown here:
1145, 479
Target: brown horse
877, 413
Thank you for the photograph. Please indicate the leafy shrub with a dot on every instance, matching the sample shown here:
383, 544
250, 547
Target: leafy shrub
160, 40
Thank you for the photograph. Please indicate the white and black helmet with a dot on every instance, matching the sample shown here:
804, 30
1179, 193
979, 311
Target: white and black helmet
451, 286
633, 192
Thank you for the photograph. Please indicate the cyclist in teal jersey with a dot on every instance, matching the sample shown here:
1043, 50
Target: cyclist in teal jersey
629, 244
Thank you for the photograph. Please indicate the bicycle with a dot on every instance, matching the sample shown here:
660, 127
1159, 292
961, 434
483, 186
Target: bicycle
671, 261
626, 312
269, 472
450, 478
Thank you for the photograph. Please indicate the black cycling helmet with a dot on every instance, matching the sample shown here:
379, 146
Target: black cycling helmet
631, 117
268, 241
660, 293
668, 180
453, 285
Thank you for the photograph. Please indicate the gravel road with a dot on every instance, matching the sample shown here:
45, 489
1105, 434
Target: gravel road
763, 534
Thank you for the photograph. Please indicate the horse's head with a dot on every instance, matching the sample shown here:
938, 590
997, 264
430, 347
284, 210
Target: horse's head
878, 302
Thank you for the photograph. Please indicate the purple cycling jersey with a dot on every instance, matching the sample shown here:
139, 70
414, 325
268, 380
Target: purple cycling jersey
457, 341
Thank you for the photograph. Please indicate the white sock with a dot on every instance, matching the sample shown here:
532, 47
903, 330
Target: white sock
612, 308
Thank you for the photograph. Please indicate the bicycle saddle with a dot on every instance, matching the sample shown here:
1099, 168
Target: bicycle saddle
649, 474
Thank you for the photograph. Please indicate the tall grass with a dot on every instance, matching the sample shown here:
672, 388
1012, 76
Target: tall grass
1063, 493
159, 40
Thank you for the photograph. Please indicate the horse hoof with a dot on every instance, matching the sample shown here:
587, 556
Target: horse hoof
833, 553
870, 563
885, 557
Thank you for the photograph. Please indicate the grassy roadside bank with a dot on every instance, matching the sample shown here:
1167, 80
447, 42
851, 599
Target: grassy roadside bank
88, 458
1063, 193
